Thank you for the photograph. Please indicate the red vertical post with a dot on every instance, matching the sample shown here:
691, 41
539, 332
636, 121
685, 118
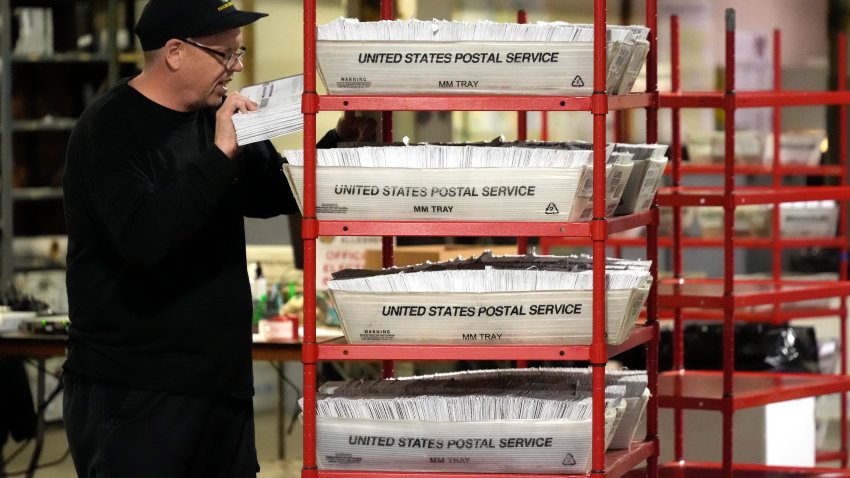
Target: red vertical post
729, 246
842, 232
522, 116
652, 244
618, 126
676, 161
777, 177
309, 234
387, 366
544, 126
598, 355
522, 135
777, 155
387, 116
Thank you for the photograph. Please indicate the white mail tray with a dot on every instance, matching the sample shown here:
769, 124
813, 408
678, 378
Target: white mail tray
447, 68
503, 446
560, 317
470, 194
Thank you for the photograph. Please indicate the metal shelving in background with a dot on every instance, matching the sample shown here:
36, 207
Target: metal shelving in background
106, 63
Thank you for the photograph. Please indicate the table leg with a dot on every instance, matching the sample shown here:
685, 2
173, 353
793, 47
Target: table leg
39, 424
281, 429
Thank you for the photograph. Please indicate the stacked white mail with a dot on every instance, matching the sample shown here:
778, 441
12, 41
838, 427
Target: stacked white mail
449, 57
648, 170
485, 422
278, 110
636, 393
488, 300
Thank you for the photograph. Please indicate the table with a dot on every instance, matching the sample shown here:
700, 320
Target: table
41, 347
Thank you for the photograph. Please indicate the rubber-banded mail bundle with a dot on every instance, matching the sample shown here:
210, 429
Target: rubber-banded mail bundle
432, 425
452, 57
636, 394
498, 303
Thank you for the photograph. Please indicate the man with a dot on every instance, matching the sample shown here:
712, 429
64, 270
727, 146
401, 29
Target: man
158, 376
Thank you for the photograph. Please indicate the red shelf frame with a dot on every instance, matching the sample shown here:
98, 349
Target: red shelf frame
712, 293
763, 169
546, 243
338, 349
713, 470
752, 99
717, 196
703, 390
477, 103
599, 104
728, 390
617, 464
503, 229
776, 316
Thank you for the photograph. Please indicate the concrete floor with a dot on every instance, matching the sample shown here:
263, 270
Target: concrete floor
56, 445
271, 467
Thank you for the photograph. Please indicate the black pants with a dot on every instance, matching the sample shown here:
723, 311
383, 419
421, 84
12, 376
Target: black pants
114, 432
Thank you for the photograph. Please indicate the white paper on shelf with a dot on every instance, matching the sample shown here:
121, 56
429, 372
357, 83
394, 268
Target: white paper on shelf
645, 178
630, 74
619, 57
624, 434
490, 279
455, 156
562, 379
616, 178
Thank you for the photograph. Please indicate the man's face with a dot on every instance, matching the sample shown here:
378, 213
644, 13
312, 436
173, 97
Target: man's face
215, 60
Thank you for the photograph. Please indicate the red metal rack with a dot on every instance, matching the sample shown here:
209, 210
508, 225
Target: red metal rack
599, 104
728, 390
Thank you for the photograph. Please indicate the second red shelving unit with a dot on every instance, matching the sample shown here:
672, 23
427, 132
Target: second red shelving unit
729, 390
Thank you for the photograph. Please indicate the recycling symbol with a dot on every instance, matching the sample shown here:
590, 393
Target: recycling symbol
569, 460
552, 208
578, 82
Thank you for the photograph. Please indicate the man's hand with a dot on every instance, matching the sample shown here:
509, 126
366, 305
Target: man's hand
225, 133
353, 128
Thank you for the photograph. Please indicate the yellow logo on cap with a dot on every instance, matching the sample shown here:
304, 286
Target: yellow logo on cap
225, 5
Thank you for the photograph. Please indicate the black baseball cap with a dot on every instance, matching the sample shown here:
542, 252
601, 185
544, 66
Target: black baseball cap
162, 20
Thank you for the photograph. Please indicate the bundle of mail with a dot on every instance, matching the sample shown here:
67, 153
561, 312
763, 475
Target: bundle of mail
519, 181
450, 57
278, 110
488, 300
483, 421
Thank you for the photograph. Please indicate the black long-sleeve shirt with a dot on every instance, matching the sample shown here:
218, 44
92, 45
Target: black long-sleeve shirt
157, 280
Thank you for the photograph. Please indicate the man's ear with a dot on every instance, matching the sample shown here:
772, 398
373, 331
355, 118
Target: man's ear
175, 53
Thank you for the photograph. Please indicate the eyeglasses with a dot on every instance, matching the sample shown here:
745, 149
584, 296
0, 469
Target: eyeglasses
230, 58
